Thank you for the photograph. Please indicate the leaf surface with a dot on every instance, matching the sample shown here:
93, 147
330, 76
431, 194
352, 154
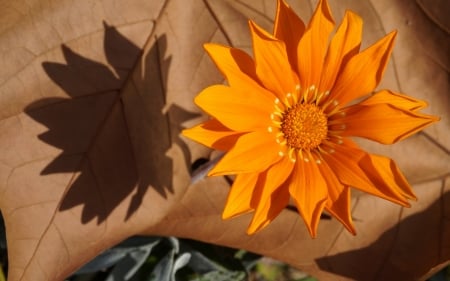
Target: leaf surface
94, 94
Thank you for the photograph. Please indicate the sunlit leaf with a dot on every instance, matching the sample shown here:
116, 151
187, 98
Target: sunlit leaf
94, 94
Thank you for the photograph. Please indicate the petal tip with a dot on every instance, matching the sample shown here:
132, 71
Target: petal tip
253, 228
392, 35
185, 132
226, 215
354, 17
404, 203
260, 32
435, 118
326, 11
214, 173
349, 225
207, 45
312, 233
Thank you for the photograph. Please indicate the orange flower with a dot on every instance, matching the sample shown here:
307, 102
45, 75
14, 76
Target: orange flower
284, 119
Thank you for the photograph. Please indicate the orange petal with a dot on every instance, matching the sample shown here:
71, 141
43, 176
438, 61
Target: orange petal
363, 71
386, 176
308, 188
383, 123
344, 45
237, 67
274, 197
339, 201
253, 152
237, 110
288, 28
272, 63
344, 163
396, 99
241, 194
213, 134
313, 46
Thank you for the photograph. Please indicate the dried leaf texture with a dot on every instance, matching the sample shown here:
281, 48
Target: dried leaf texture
93, 95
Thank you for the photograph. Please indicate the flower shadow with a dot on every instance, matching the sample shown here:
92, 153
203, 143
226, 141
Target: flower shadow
404, 252
96, 128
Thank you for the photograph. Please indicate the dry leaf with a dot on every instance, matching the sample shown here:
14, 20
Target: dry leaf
93, 95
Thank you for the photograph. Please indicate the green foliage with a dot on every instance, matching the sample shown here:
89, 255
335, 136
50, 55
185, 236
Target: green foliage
271, 270
222, 276
167, 259
443, 275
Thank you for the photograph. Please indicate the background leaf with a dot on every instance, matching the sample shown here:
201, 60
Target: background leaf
93, 95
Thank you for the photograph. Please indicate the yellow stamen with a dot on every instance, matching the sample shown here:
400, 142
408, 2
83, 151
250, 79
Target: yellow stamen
304, 126
291, 155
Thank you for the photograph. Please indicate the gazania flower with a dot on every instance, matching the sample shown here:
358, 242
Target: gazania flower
284, 119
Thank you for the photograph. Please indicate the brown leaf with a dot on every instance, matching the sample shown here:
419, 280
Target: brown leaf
93, 95
393, 243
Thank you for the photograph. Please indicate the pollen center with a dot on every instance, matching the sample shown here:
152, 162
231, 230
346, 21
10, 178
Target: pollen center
304, 126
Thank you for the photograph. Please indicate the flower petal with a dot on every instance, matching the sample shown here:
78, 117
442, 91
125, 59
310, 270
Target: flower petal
253, 152
396, 99
288, 28
237, 67
272, 63
274, 197
344, 45
363, 71
308, 188
339, 201
237, 110
213, 134
385, 174
344, 162
383, 123
240, 196
313, 46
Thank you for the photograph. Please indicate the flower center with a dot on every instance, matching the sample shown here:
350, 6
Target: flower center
304, 126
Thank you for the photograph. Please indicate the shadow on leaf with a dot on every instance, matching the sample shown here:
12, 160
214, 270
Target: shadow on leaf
115, 149
404, 252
